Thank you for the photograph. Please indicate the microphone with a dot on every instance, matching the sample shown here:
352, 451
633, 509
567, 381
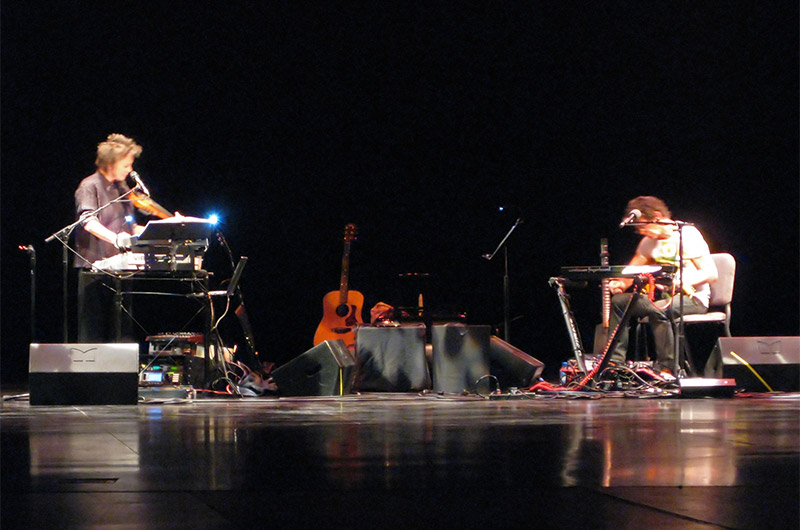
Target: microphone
509, 208
632, 216
139, 184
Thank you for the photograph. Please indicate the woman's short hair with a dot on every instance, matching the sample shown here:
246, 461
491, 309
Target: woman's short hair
116, 147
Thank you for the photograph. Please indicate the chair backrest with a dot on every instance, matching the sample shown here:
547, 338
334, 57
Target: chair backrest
722, 289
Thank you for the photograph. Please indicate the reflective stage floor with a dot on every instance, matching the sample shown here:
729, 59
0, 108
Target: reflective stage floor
397, 460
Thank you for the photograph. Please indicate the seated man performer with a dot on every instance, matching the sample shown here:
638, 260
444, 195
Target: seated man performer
660, 246
104, 233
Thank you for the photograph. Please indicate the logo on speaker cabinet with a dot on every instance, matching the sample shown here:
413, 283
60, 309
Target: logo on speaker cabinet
769, 348
83, 356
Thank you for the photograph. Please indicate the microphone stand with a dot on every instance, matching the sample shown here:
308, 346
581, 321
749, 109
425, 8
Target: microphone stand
63, 238
31, 251
506, 281
680, 337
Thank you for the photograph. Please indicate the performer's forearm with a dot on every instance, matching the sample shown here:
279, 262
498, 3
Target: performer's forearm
96, 228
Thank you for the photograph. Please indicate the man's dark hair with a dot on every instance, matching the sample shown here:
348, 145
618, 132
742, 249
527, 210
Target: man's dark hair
649, 205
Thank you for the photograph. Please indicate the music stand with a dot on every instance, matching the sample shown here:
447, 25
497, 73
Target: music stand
233, 284
176, 229
185, 236
506, 281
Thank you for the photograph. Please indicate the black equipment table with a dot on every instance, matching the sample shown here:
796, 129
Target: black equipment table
187, 285
596, 273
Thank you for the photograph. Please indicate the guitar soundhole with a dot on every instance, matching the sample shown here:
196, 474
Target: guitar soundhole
342, 310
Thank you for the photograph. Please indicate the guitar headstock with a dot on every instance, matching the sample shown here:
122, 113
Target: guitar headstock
350, 232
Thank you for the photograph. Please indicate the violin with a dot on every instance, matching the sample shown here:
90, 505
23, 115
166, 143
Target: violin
148, 205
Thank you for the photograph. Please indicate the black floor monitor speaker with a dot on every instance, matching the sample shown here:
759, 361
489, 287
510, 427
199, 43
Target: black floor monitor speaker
758, 364
391, 359
84, 374
460, 358
511, 366
327, 369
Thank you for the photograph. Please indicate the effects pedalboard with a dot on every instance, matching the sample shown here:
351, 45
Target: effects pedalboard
616, 377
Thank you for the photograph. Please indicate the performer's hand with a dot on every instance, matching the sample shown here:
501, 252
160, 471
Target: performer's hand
123, 241
616, 286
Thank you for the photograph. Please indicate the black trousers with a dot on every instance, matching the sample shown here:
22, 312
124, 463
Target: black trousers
659, 315
100, 317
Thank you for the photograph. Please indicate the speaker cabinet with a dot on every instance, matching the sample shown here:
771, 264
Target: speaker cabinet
391, 359
775, 359
511, 366
460, 358
327, 369
84, 374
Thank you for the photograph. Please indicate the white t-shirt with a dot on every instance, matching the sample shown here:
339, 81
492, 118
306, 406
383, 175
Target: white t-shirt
666, 252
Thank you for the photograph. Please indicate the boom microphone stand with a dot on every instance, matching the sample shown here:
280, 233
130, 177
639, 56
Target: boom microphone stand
681, 324
31, 252
506, 281
680, 336
63, 237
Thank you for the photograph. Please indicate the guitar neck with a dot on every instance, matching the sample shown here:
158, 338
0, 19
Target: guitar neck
343, 280
606, 306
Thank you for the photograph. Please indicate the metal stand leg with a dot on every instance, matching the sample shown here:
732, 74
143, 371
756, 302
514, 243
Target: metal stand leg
118, 301
569, 319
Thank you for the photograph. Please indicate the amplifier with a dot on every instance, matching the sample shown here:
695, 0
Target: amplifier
173, 359
461, 358
84, 374
161, 374
391, 359
327, 369
758, 364
176, 344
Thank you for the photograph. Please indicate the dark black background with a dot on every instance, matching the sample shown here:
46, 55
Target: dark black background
291, 119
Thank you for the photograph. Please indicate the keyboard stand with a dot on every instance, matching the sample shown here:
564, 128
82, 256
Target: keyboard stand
558, 284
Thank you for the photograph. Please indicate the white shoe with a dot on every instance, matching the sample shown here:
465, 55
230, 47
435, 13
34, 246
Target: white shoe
667, 376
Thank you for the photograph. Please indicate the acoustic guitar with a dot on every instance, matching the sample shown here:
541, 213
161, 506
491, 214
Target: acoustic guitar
341, 310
